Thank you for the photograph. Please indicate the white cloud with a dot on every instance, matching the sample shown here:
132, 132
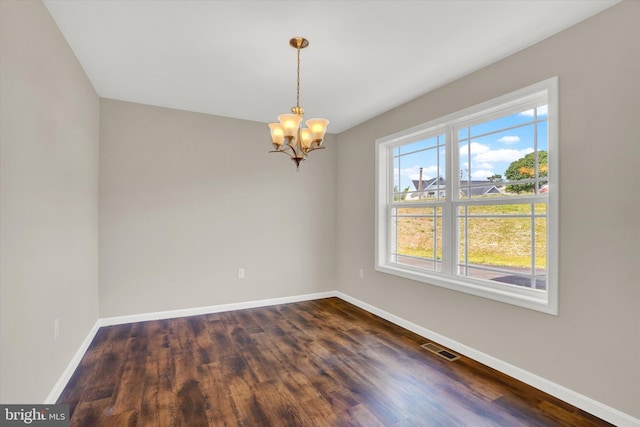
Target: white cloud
481, 174
542, 111
502, 155
476, 148
509, 139
483, 165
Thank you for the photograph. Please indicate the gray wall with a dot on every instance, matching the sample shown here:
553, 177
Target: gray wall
48, 202
593, 345
186, 199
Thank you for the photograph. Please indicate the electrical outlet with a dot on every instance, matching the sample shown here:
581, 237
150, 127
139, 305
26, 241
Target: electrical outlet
56, 329
361, 273
241, 273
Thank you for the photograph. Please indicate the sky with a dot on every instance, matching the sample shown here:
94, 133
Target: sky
485, 149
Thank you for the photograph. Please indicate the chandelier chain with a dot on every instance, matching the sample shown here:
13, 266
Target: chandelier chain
298, 88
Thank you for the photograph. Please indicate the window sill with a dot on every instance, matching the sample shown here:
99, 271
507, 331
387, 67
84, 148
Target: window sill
532, 299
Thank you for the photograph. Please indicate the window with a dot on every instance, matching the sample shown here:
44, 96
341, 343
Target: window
470, 201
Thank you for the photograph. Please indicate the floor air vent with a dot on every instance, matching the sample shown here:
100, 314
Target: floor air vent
433, 348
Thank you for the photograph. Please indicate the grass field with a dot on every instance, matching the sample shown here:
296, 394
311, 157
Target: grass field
497, 235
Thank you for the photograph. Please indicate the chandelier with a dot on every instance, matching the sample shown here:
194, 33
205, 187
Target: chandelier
288, 136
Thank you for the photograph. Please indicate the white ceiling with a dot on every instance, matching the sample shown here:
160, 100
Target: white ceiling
232, 58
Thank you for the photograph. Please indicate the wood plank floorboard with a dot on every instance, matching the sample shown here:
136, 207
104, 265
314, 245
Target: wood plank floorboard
314, 363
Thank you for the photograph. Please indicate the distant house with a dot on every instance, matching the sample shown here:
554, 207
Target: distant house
478, 188
430, 188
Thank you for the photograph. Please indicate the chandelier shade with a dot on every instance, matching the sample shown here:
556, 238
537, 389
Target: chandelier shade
288, 136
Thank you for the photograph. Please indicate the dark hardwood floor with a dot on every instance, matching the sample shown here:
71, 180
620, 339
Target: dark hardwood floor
315, 363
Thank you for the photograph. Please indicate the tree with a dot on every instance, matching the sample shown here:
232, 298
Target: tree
525, 168
397, 195
495, 178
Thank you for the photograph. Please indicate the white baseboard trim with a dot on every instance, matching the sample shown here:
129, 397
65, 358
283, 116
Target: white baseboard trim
58, 388
171, 314
576, 399
585, 403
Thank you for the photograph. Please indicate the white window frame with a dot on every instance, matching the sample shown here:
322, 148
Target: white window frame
536, 299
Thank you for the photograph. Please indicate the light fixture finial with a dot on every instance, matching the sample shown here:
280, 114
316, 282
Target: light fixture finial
299, 42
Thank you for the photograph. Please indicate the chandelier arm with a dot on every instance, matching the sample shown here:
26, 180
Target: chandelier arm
293, 151
283, 152
315, 148
298, 152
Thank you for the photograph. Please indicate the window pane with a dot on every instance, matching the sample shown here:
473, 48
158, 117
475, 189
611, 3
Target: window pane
511, 148
540, 111
527, 174
418, 237
543, 137
502, 123
396, 179
498, 243
541, 253
418, 170
543, 147
541, 245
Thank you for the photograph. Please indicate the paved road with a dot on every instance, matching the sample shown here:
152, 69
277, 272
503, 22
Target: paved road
512, 275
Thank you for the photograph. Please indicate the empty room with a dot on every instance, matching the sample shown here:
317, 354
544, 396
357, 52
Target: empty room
320, 213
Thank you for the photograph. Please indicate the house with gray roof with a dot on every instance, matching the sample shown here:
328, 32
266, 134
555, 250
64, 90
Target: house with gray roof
430, 188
